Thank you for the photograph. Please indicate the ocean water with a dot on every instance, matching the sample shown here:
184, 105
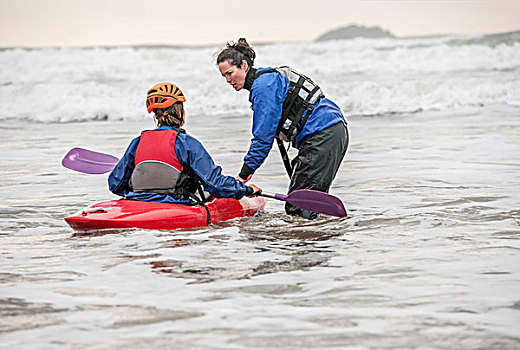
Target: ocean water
427, 259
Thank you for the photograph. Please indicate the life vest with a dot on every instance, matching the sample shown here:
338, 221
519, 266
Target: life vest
157, 168
301, 98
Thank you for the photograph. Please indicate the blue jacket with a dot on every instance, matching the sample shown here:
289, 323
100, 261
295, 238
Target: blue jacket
191, 153
267, 95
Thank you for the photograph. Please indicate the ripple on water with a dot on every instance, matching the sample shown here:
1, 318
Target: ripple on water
18, 314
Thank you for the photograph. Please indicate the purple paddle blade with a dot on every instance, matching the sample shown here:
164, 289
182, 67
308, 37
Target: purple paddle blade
90, 162
316, 201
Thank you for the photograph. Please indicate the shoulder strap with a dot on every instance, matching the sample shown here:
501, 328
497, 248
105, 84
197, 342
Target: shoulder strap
285, 157
272, 70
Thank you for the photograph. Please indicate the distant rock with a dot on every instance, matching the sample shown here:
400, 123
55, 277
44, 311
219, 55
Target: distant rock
355, 31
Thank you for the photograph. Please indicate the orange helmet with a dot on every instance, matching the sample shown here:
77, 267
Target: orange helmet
163, 95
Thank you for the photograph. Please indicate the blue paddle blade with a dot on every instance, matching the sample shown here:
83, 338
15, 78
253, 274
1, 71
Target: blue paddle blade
315, 201
90, 162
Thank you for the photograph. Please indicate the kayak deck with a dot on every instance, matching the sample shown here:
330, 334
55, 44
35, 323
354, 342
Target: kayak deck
123, 214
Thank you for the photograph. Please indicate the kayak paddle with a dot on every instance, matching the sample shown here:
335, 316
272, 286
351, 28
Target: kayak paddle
311, 200
90, 162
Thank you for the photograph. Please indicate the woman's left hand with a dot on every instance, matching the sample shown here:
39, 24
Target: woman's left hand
246, 180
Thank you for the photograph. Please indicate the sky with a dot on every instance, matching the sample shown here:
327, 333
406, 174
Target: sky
42, 23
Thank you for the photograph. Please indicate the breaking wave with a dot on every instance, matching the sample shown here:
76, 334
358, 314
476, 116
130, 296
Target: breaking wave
363, 76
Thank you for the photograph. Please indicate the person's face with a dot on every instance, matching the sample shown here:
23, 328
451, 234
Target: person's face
235, 76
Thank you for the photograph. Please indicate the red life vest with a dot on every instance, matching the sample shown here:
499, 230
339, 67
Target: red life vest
157, 167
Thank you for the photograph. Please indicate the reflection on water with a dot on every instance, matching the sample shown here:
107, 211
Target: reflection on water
428, 257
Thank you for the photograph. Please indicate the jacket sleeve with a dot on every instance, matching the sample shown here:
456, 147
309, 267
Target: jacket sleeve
267, 97
192, 153
119, 178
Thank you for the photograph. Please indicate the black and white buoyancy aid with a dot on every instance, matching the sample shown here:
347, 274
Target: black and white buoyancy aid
301, 98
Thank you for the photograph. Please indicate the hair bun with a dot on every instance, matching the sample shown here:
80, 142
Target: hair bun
243, 46
236, 52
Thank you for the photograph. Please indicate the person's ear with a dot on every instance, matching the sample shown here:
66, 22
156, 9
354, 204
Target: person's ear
244, 65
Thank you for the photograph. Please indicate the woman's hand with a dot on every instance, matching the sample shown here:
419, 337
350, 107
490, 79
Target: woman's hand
246, 180
256, 188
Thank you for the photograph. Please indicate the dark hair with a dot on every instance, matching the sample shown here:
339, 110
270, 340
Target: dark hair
237, 52
173, 117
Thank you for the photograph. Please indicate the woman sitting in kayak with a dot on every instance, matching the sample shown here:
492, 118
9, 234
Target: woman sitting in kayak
287, 106
167, 165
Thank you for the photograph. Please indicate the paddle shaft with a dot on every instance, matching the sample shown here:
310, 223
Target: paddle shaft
280, 197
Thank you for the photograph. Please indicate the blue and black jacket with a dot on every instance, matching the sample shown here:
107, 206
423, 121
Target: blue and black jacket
267, 95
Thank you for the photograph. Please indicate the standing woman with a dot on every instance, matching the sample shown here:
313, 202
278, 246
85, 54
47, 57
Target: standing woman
287, 106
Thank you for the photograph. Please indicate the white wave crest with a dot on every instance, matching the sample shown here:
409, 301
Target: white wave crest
364, 76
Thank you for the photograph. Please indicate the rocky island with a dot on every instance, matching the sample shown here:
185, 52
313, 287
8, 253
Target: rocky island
355, 31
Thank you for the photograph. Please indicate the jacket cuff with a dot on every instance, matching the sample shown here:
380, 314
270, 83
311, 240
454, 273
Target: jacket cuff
249, 191
245, 171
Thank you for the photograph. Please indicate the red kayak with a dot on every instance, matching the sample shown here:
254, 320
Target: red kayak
122, 214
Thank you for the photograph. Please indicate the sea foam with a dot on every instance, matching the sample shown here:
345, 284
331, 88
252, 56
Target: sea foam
363, 76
